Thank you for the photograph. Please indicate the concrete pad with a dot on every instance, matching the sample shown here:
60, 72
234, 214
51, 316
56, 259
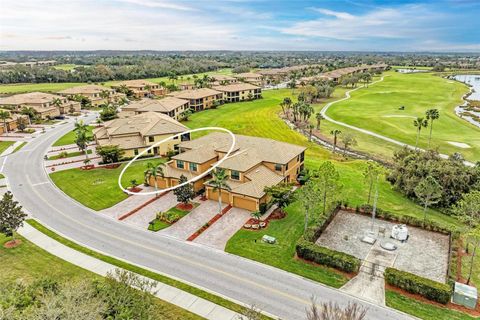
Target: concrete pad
185, 227
142, 217
368, 287
220, 313
129, 204
184, 300
202, 307
218, 234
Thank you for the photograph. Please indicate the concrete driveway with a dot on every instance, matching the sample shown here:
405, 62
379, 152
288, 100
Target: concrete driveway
223, 229
185, 227
142, 217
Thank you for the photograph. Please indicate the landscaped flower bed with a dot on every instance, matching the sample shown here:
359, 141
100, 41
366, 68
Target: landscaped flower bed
169, 217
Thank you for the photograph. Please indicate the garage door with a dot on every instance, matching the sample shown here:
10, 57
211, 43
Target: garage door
214, 196
245, 203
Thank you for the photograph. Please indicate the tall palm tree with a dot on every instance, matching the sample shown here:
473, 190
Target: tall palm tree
81, 137
4, 115
419, 123
104, 94
219, 182
286, 104
335, 134
319, 118
432, 115
57, 102
153, 171
30, 112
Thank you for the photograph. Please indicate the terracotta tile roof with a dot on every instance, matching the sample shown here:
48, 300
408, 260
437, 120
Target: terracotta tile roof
248, 75
259, 178
197, 155
222, 77
135, 83
89, 89
30, 98
195, 93
166, 104
236, 87
172, 172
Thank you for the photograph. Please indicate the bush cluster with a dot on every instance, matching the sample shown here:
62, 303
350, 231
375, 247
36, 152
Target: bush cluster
432, 290
331, 258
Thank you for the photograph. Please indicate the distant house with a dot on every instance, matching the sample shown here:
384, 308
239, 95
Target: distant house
200, 99
221, 79
134, 134
94, 93
169, 106
142, 88
11, 124
256, 163
239, 92
42, 103
186, 86
250, 77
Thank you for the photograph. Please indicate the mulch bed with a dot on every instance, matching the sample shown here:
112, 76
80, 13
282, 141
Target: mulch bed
135, 189
184, 207
12, 244
275, 215
112, 166
452, 306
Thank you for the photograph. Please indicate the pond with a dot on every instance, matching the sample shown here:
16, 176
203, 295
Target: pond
473, 81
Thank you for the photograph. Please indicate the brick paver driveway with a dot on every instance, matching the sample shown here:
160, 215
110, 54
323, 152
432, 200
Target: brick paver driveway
142, 217
186, 226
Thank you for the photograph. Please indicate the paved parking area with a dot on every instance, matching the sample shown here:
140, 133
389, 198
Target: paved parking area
223, 229
425, 253
185, 227
142, 217
127, 205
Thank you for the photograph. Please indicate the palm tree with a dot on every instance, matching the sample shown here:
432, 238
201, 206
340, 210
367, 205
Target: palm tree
219, 182
104, 94
286, 104
57, 102
82, 138
153, 171
30, 112
419, 123
319, 118
432, 115
335, 133
4, 115
310, 131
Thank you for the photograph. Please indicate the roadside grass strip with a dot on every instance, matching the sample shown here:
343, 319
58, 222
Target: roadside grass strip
147, 273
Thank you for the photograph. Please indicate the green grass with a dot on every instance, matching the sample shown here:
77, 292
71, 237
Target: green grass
152, 275
2, 176
28, 263
287, 231
376, 109
66, 66
69, 138
159, 224
4, 145
422, 310
475, 280
69, 155
20, 146
97, 188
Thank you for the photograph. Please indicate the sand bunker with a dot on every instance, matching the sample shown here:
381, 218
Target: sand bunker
459, 144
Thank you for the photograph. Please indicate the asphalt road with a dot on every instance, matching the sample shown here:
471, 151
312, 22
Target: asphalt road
277, 292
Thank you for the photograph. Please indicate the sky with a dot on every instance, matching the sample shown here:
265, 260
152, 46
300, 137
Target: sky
356, 25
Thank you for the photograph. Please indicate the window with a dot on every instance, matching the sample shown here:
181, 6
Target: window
135, 152
151, 139
302, 156
286, 166
180, 164
234, 175
193, 166
278, 167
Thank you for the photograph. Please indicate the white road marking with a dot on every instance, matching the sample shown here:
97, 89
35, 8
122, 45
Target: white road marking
40, 183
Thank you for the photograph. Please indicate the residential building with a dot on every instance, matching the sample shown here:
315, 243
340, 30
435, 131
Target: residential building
95, 93
11, 124
186, 86
221, 79
169, 106
249, 77
239, 92
44, 104
134, 134
142, 88
200, 99
255, 163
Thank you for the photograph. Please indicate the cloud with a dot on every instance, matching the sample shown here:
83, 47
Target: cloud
390, 23
158, 4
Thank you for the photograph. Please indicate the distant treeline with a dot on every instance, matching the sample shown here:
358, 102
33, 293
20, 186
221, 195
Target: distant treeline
99, 66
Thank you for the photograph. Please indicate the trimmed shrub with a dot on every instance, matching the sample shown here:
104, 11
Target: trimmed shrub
432, 290
331, 258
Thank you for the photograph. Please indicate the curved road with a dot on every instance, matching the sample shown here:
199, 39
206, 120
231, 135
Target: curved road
241, 280
373, 134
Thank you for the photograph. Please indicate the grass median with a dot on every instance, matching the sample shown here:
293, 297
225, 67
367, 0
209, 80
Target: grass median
138, 270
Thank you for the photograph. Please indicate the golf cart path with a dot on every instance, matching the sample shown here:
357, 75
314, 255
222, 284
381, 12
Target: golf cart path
373, 134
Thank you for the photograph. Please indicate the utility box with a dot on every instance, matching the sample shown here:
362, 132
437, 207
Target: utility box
465, 295
269, 239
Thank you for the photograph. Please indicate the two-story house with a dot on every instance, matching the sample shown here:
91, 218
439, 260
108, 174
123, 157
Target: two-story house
97, 95
46, 105
169, 106
142, 88
134, 134
200, 99
255, 163
239, 92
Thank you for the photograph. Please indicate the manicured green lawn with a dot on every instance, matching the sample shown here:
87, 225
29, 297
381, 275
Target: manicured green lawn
475, 280
287, 231
147, 273
4, 145
376, 109
159, 224
69, 138
422, 310
66, 66
69, 155
28, 263
97, 188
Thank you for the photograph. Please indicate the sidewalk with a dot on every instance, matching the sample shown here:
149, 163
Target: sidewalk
182, 299
10, 149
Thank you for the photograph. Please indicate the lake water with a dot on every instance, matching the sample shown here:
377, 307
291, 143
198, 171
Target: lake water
472, 80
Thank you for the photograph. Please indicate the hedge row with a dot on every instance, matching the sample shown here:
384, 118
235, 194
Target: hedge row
313, 232
432, 290
321, 255
409, 220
